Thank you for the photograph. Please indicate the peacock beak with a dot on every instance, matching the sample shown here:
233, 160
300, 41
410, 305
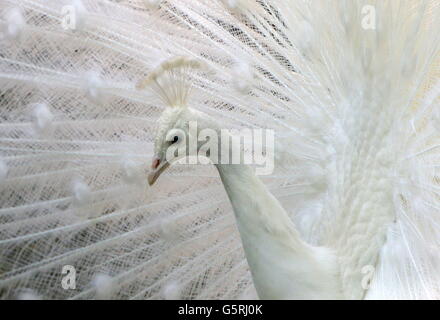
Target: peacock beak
158, 167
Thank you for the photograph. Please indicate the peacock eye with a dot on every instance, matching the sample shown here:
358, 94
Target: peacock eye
175, 139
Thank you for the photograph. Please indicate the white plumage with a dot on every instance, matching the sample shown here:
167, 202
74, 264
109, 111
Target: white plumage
104, 286
351, 210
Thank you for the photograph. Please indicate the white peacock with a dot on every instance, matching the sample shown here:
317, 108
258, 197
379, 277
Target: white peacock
350, 88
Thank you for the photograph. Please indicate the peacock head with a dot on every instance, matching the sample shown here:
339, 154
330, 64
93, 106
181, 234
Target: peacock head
171, 81
172, 139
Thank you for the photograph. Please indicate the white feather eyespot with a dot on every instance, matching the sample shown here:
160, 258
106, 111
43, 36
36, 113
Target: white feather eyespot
42, 118
172, 291
80, 15
104, 286
242, 76
81, 192
14, 24
132, 171
169, 229
94, 87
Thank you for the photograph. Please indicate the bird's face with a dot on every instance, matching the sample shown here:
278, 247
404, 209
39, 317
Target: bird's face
171, 135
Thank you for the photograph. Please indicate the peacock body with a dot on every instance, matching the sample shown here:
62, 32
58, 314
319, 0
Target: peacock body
350, 89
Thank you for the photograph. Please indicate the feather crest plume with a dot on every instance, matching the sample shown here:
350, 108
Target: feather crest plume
170, 80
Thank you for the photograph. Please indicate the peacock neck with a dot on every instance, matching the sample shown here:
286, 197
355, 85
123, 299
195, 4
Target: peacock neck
281, 264
256, 209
